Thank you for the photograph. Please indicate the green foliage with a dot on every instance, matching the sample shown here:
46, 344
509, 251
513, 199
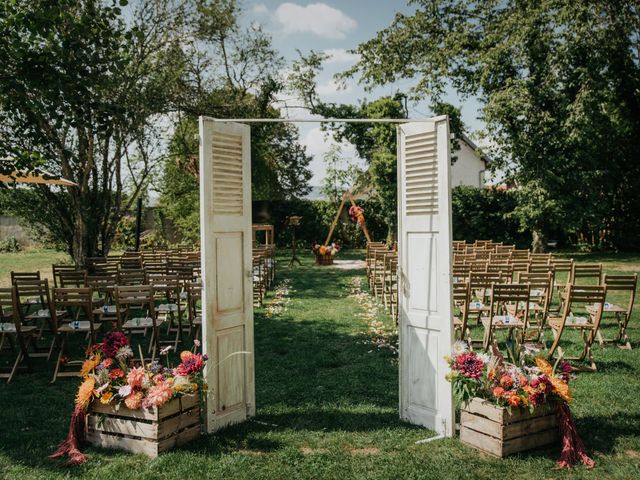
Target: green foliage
125, 238
10, 245
340, 174
559, 82
482, 213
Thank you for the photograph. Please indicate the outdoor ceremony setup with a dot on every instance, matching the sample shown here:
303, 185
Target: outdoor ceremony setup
319, 240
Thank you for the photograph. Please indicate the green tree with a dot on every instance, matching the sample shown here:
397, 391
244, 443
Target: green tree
340, 174
559, 83
79, 92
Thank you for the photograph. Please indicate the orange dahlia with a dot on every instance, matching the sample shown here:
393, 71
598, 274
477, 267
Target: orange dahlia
85, 392
89, 364
135, 377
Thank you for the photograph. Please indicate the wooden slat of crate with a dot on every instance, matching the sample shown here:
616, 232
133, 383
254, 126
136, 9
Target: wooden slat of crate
182, 403
147, 431
496, 431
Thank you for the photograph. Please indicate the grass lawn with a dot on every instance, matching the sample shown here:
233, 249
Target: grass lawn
30, 260
327, 404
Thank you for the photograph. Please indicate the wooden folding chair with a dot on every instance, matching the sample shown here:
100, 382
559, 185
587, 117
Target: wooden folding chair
461, 298
194, 293
131, 261
16, 335
540, 292
460, 272
45, 317
72, 278
505, 297
167, 289
75, 301
586, 274
138, 297
579, 295
505, 269
56, 269
131, 277
622, 313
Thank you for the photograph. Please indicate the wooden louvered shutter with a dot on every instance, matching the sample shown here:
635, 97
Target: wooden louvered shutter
424, 290
225, 242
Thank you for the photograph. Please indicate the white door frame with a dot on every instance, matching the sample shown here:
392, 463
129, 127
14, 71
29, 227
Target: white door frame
445, 405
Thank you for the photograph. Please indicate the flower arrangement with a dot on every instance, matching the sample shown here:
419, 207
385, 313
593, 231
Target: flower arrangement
322, 250
490, 378
110, 377
534, 385
356, 214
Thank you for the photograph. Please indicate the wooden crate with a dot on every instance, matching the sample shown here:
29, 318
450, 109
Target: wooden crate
148, 431
326, 259
499, 433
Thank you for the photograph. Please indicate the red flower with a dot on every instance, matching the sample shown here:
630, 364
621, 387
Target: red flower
116, 373
498, 392
193, 364
113, 341
469, 365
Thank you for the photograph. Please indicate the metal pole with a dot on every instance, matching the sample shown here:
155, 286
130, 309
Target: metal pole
138, 223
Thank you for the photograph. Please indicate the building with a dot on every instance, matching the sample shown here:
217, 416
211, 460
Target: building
470, 168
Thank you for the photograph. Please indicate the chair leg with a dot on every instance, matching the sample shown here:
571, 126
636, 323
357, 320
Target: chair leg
60, 353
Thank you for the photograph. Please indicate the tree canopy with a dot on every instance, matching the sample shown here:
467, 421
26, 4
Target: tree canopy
559, 85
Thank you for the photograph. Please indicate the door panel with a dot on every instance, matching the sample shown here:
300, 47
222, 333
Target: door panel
225, 242
424, 250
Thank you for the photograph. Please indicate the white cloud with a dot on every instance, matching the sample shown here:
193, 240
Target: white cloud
259, 9
317, 18
332, 87
340, 55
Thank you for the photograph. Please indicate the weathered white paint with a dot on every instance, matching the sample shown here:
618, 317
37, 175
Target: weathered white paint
425, 301
469, 168
227, 299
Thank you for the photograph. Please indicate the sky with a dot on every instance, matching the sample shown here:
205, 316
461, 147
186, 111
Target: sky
335, 27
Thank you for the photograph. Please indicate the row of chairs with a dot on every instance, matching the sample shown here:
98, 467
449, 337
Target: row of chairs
30, 312
264, 271
382, 274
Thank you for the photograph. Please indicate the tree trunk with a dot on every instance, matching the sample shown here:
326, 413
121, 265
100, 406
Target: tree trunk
538, 242
80, 240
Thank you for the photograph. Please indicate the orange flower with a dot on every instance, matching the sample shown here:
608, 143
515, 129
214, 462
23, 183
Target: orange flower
514, 400
89, 364
506, 381
492, 374
561, 389
498, 392
323, 250
85, 392
544, 366
524, 400
185, 354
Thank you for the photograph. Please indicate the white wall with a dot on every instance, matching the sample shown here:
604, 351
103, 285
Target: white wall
468, 168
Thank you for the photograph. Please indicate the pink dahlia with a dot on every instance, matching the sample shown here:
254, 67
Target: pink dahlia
158, 395
469, 365
133, 400
135, 377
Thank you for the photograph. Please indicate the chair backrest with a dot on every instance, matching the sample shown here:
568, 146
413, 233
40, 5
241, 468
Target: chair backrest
460, 271
17, 277
72, 278
623, 283
26, 290
500, 257
505, 249
132, 277
484, 279
505, 268
520, 254
478, 266
541, 282
514, 294
583, 271
8, 304
540, 258
57, 268
541, 268
164, 281
155, 267
102, 283
134, 295
585, 295
131, 261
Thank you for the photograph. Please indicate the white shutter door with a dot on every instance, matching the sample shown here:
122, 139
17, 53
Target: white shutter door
225, 242
424, 290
